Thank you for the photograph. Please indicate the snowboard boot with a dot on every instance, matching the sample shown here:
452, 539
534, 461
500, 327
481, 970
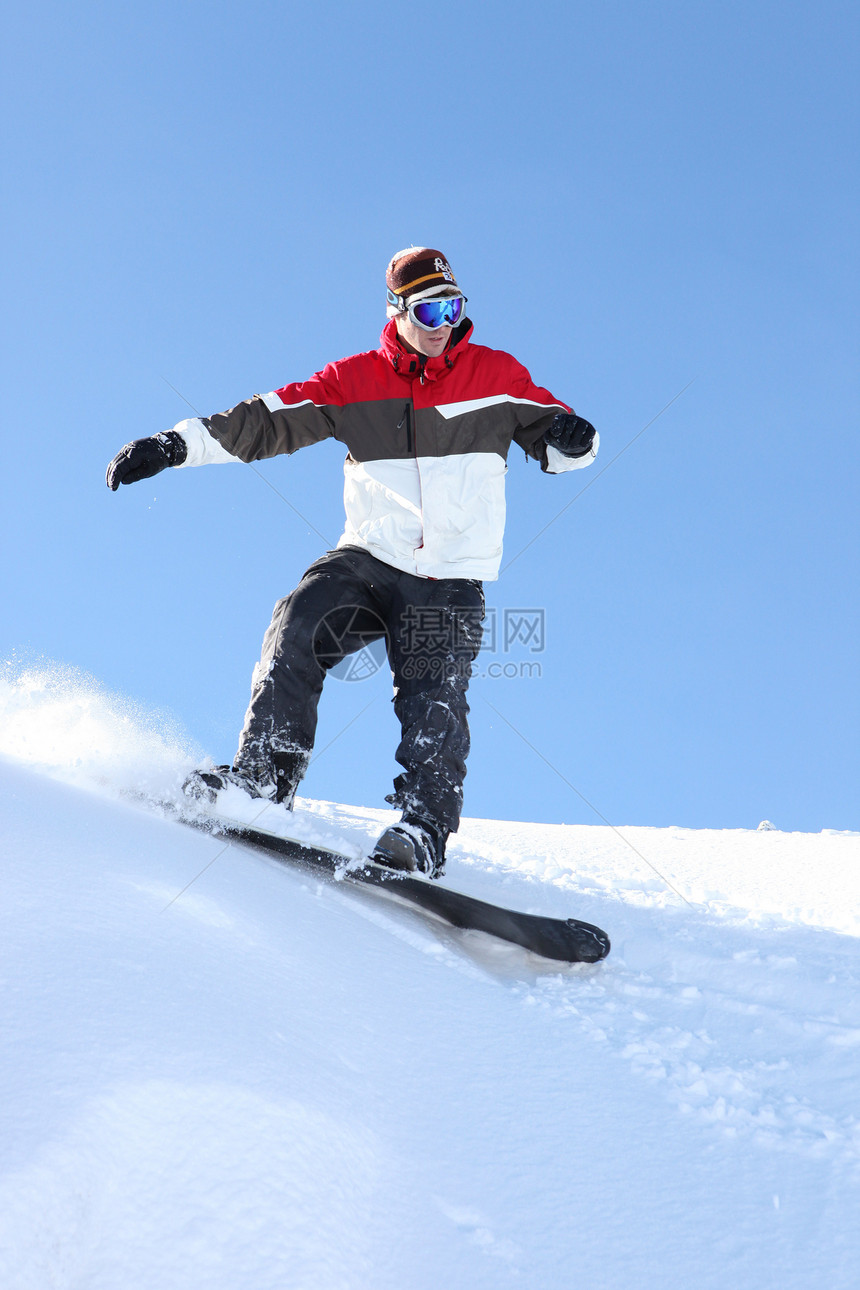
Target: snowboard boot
413, 845
205, 785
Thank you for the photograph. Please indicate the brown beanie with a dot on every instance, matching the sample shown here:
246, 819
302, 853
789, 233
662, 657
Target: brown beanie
419, 272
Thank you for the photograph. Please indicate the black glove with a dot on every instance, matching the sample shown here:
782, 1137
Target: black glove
570, 434
145, 458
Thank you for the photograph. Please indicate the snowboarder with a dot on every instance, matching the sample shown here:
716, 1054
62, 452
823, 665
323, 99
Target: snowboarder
427, 420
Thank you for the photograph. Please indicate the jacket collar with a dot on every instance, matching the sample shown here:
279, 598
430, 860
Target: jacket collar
410, 365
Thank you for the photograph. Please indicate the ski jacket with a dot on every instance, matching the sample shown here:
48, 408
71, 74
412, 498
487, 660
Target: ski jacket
427, 441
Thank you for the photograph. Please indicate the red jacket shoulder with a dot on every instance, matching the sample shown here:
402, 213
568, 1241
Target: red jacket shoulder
343, 381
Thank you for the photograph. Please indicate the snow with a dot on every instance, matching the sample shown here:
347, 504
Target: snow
267, 1081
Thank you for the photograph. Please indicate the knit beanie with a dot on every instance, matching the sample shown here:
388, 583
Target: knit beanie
416, 273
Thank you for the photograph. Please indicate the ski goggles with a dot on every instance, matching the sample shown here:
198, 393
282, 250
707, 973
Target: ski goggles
439, 311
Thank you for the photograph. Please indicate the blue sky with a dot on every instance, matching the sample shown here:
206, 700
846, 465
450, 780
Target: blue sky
635, 197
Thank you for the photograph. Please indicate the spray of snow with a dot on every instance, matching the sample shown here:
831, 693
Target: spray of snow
61, 722
58, 720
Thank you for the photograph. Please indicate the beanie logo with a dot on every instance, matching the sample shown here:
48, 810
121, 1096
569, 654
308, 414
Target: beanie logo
442, 267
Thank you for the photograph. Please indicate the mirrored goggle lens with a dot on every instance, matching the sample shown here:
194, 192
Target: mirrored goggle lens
438, 313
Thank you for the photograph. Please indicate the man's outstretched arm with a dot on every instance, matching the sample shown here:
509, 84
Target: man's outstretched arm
266, 425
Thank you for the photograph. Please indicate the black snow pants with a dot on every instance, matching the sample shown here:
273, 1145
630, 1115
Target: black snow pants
432, 632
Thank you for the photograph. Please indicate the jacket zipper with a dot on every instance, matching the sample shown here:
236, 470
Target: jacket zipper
410, 448
407, 418
410, 441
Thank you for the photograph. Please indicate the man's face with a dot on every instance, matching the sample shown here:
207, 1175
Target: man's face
431, 343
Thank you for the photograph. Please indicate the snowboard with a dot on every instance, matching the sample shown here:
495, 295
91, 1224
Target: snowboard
566, 940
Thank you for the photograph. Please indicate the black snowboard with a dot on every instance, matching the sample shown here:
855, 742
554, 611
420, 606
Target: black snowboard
564, 939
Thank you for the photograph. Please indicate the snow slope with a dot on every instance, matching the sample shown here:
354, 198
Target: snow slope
265, 1081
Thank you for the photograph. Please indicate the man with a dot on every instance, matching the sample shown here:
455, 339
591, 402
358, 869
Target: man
427, 420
